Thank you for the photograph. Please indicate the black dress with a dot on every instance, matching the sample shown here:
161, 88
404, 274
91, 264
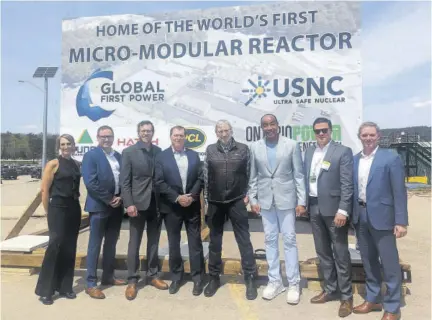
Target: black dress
64, 218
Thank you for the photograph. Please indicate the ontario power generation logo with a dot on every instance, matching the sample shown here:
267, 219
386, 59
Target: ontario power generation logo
112, 92
299, 91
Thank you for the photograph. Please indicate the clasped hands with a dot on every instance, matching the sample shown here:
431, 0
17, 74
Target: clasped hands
185, 200
115, 202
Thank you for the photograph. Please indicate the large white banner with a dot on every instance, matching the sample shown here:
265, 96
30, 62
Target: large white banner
297, 60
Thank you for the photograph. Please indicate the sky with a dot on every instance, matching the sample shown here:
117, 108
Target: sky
396, 57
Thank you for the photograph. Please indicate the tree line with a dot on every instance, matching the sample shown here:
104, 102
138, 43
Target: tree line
26, 146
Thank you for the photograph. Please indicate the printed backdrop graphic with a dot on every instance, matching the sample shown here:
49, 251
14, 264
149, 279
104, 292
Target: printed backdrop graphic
297, 60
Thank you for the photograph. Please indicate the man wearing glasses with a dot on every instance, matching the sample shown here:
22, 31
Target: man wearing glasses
140, 200
329, 187
100, 171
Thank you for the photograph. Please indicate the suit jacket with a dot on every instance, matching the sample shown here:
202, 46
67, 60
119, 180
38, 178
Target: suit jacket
335, 185
98, 179
285, 183
137, 176
386, 195
169, 183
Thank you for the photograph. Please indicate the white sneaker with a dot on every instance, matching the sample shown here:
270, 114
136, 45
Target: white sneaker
272, 290
293, 294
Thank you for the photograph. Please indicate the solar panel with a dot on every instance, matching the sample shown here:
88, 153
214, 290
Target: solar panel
45, 72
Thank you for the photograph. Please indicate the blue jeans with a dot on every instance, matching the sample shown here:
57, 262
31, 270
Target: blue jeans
103, 224
283, 221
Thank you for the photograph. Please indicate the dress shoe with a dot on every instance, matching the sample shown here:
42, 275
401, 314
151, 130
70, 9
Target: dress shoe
131, 291
346, 308
251, 288
159, 284
367, 307
323, 297
175, 286
198, 288
212, 287
46, 300
114, 282
95, 293
68, 295
391, 316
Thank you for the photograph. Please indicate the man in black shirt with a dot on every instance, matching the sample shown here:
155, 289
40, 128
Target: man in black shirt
140, 200
226, 178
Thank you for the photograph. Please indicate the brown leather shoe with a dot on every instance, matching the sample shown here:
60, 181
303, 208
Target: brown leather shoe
159, 284
114, 282
131, 291
346, 308
391, 316
323, 297
367, 307
95, 293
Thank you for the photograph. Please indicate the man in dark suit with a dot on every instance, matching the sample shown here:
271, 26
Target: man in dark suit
140, 200
100, 171
180, 181
380, 216
329, 189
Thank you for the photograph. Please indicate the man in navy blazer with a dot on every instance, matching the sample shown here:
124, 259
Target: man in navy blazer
380, 215
100, 171
179, 180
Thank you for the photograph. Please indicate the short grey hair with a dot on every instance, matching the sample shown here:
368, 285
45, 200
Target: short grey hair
369, 124
222, 122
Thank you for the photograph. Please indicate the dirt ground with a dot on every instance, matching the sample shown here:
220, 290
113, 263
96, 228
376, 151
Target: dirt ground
19, 302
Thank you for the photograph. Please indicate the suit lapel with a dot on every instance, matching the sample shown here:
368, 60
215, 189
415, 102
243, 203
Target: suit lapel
264, 152
190, 164
175, 166
375, 162
327, 158
356, 167
106, 163
309, 156
280, 150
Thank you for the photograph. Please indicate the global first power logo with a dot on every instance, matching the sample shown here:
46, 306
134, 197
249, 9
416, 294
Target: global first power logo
136, 92
84, 103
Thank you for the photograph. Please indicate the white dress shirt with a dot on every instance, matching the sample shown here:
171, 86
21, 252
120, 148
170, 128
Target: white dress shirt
316, 164
115, 167
182, 164
365, 164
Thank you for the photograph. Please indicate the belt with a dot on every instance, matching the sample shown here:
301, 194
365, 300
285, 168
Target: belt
362, 203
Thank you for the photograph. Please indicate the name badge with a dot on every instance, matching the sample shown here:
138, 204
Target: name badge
325, 165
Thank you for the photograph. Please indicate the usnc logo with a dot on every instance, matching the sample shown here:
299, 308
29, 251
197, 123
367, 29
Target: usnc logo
258, 90
84, 103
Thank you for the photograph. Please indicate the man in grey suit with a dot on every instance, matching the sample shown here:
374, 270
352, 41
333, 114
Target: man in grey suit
329, 176
140, 200
277, 192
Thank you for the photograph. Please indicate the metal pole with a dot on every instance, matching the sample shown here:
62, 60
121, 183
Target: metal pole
44, 133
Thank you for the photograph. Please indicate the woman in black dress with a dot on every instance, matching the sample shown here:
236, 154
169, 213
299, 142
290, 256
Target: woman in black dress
60, 199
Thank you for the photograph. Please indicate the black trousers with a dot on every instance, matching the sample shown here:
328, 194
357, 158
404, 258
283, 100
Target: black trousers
237, 213
136, 229
173, 223
57, 272
331, 246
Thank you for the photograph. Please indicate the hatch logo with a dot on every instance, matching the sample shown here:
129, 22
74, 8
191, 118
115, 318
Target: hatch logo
195, 138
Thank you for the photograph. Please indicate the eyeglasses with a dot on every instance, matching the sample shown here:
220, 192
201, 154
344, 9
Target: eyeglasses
318, 131
105, 137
